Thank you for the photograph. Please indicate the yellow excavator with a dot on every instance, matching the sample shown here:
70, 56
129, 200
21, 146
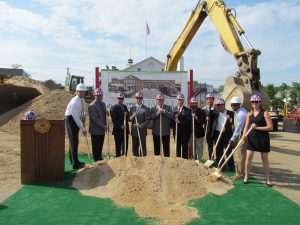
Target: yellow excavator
247, 80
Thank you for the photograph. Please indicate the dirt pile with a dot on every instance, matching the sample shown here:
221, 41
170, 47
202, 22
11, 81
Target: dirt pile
154, 186
28, 82
50, 104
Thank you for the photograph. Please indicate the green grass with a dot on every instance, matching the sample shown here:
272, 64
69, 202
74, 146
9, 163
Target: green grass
58, 203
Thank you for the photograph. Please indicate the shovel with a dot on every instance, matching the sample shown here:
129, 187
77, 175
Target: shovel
108, 144
139, 136
194, 150
176, 128
125, 138
209, 163
217, 173
88, 148
160, 134
224, 155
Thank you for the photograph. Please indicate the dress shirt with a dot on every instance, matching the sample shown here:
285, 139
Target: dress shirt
241, 115
221, 119
75, 110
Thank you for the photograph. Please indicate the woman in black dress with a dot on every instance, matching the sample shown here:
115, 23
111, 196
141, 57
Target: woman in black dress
258, 140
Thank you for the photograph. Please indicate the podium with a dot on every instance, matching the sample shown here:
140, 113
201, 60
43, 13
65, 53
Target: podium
42, 150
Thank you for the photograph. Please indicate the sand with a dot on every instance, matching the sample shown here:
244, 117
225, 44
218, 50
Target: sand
155, 186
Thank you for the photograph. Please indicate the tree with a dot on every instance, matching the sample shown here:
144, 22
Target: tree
271, 90
51, 84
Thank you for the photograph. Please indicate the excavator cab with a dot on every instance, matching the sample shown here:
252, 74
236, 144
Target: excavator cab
247, 80
72, 81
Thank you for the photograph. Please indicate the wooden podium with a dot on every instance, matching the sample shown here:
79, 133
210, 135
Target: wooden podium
42, 150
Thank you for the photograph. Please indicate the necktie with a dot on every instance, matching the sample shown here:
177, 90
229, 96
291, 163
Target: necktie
234, 120
82, 108
138, 109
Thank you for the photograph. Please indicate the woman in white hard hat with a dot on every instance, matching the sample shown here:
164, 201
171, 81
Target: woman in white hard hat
258, 140
74, 120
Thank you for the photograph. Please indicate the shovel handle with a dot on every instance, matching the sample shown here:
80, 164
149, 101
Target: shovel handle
139, 136
236, 147
219, 137
224, 154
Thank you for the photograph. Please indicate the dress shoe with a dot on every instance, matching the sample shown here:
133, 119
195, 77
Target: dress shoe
78, 166
246, 181
269, 184
81, 163
236, 177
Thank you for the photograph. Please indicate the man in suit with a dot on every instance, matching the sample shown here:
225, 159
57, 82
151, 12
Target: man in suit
164, 113
227, 132
211, 114
118, 112
98, 127
142, 114
199, 117
182, 116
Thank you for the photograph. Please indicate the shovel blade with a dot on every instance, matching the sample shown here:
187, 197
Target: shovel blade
208, 163
217, 174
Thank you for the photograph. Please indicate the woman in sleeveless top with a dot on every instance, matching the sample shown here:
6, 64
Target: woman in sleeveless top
258, 139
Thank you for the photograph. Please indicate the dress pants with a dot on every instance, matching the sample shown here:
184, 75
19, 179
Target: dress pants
97, 145
119, 143
165, 143
73, 131
182, 144
223, 143
136, 144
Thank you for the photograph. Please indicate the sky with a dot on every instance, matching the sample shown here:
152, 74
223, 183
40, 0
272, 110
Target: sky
46, 37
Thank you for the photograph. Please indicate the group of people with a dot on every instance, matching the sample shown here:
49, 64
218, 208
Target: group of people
190, 127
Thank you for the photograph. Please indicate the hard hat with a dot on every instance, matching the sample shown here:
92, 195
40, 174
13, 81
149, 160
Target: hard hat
98, 91
210, 95
139, 95
256, 98
120, 95
235, 100
29, 115
81, 87
194, 100
160, 96
180, 96
220, 101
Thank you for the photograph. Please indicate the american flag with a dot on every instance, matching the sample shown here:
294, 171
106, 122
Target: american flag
147, 29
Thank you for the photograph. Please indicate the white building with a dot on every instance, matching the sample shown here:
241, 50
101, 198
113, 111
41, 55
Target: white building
148, 64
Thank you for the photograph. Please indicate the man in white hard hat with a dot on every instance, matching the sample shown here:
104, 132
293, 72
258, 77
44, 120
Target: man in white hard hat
239, 123
74, 120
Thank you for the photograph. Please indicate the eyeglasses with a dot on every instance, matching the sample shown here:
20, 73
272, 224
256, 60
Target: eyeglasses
220, 105
234, 104
254, 102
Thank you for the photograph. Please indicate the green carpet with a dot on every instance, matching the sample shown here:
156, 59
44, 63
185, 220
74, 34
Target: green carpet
58, 203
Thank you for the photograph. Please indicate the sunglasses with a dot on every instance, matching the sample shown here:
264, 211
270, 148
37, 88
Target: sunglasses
255, 102
234, 104
220, 105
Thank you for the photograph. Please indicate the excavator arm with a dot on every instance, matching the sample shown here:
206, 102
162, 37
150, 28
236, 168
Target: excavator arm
229, 30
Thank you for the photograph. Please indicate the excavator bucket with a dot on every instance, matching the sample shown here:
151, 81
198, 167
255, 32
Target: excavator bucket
241, 87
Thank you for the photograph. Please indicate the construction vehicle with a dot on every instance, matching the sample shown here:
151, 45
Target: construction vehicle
72, 81
247, 80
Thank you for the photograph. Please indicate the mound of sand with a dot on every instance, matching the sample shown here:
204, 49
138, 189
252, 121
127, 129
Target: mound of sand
28, 82
50, 105
154, 186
